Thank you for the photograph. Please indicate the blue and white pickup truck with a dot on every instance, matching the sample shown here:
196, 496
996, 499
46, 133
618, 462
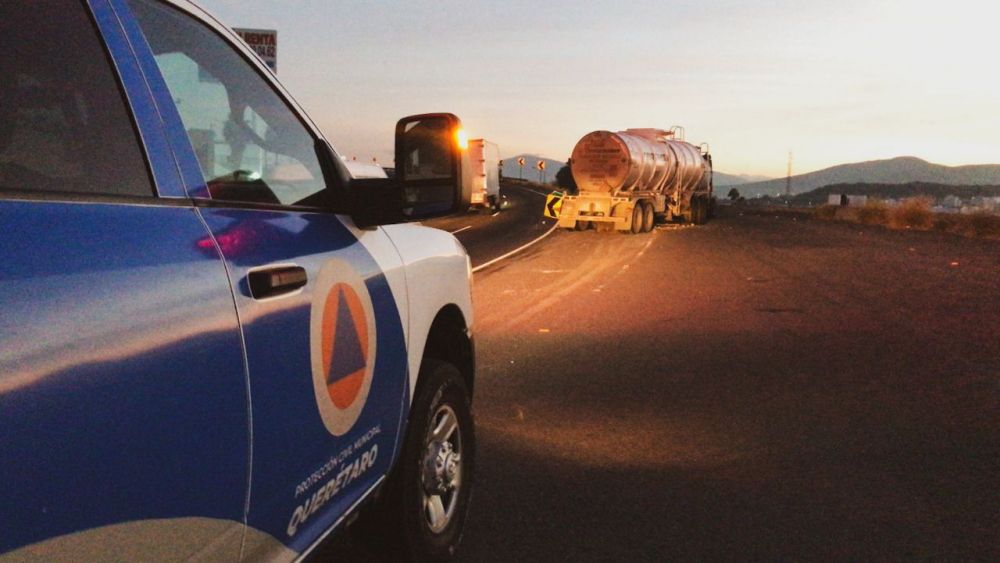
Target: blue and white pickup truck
215, 343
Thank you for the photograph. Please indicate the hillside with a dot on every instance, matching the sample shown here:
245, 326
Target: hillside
722, 179
896, 191
511, 169
900, 170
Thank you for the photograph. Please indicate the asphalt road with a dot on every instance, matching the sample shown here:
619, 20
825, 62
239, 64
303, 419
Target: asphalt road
487, 235
759, 387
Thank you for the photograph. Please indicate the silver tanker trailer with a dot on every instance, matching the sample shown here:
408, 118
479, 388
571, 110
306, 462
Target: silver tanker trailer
629, 179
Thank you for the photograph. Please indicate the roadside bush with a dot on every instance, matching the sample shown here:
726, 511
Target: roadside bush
564, 178
912, 213
873, 212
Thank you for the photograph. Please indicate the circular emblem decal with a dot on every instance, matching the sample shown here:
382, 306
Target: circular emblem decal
342, 333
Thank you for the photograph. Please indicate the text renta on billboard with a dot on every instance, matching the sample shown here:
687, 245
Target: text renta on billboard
264, 42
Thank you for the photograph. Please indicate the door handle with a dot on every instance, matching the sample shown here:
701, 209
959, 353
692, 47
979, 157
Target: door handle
271, 282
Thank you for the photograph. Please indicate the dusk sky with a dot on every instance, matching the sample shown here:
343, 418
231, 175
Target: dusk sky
833, 82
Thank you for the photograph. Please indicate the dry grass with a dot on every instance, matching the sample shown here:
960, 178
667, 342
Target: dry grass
979, 225
983, 224
912, 213
826, 211
873, 212
947, 222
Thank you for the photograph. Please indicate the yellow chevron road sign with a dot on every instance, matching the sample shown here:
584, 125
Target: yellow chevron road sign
553, 204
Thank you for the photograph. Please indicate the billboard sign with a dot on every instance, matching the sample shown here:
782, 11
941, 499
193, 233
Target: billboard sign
264, 42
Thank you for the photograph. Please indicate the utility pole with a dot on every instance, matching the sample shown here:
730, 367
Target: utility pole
788, 178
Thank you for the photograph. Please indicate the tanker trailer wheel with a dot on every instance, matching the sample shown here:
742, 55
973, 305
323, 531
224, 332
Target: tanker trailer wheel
706, 209
648, 220
637, 215
699, 211
695, 218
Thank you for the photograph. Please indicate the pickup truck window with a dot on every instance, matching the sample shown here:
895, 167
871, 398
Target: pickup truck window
251, 146
64, 126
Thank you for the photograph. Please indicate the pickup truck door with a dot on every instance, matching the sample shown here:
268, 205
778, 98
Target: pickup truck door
321, 303
124, 422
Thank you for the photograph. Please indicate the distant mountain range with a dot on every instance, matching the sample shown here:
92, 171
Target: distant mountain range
901, 170
721, 179
896, 191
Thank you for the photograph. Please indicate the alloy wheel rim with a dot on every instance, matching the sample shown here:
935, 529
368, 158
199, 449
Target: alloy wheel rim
441, 469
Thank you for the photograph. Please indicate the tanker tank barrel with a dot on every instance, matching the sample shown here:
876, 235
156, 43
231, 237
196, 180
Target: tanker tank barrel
636, 160
628, 180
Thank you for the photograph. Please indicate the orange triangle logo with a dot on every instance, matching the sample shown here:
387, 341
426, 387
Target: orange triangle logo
345, 345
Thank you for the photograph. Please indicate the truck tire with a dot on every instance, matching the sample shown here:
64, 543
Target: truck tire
699, 210
421, 513
648, 220
582, 225
637, 215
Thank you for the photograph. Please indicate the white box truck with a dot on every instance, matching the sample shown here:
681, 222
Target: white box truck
484, 174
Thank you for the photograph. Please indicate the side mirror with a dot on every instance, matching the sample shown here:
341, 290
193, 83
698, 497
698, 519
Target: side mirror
429, 154
428, 179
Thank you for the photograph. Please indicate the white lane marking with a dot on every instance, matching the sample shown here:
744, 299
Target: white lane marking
530, 191
495, 214
462, 229
515, 251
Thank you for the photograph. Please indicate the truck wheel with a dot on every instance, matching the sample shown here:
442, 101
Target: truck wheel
698, 211
647, 217
426, 498
582, 225
637, 218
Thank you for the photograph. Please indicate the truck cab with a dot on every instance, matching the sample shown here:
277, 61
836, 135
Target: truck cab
216, 343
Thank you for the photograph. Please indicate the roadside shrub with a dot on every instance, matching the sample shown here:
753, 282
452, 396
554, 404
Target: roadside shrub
564, 179
912, 213
873, 212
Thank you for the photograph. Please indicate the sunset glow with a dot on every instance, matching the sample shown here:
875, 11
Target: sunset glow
832, 82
